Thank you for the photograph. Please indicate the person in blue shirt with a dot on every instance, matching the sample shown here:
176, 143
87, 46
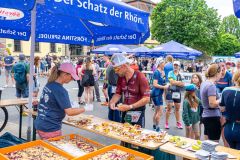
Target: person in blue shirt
8, 63
225, 80
157, 92
55, 103
230, 102
168, 66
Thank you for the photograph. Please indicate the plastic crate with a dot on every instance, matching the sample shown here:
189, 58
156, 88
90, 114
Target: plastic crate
137, 154
32, 144
77, 152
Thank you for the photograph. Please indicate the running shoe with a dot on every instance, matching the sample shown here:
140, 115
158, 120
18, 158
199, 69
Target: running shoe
179, 125
166, 126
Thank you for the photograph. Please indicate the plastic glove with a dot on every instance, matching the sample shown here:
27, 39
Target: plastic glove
88, 107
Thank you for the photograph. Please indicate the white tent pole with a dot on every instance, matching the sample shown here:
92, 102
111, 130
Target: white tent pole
33, 33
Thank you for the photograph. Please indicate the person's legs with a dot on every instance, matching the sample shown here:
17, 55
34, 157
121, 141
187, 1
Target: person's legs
13, 80
80, 92
90, 94
18, 93
168, 112
195, 131
188, 132
25, 93
110, 111
7, 74
177, 115
86, 94
96, 87
158, 103
157, 114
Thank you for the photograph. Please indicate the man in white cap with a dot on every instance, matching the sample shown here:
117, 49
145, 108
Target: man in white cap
135, 88
173, 96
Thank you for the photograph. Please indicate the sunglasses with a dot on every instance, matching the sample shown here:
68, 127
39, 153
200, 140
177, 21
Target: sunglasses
116, 69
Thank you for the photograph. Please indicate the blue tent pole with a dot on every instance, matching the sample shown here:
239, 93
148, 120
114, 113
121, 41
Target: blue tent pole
33, 34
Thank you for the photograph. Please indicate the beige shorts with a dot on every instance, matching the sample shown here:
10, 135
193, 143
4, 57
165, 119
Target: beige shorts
195, 127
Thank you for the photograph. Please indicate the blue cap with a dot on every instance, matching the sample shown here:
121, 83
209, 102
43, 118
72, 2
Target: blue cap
21, 57
190, 87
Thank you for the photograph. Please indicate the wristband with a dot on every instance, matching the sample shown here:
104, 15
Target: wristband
131, 107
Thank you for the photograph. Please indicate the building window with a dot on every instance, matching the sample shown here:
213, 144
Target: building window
52, 47
17, 46
37, 48
75, 49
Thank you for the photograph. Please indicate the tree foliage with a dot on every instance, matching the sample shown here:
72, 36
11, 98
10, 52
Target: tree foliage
230, 24
229, 45
190, 22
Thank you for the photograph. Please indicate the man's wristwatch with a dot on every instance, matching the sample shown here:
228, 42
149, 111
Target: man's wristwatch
131, 107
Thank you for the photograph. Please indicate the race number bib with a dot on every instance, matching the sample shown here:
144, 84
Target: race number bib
176, 95
135, 115
114, 89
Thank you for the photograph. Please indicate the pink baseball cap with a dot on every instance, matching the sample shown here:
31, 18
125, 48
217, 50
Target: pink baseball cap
69, 68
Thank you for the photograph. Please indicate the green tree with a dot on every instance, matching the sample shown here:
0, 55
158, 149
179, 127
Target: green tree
229, 45
190, 22
230, 24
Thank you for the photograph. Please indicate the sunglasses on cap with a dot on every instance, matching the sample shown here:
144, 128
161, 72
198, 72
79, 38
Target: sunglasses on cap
116, 69
219, 60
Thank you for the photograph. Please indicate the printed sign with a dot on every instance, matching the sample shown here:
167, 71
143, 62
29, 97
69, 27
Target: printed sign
10, 14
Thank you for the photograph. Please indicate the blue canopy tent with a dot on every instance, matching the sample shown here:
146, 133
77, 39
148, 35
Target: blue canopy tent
237, 55
75, 22
174, 48
236, 6
141, 51
110, 49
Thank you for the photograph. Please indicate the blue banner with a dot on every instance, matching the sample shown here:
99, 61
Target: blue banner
236, 6
18, 4
110, 12
51, 27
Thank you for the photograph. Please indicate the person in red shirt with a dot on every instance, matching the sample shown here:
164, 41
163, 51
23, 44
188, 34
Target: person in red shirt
135, 88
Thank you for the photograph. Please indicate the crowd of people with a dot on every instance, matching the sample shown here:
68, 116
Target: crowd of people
210, 100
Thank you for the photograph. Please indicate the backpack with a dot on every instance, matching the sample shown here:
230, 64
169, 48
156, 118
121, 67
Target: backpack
112, 76
20, 73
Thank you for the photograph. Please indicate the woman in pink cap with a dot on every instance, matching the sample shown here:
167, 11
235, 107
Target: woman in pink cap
55, 103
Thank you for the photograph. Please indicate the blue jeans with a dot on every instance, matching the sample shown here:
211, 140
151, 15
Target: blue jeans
22, 93
113, 115
232, 134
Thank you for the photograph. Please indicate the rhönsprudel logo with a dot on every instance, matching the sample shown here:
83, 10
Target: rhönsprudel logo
10, 14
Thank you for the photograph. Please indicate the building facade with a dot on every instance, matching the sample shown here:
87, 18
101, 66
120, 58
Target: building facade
42, 49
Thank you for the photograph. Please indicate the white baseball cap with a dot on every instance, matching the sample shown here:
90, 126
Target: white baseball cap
177, 62
159, 61
119, 59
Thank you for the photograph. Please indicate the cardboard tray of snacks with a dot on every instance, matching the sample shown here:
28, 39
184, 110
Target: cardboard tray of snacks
115, 151
32, 150
75, 145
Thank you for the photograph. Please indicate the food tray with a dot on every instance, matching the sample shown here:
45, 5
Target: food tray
36, 143
64, 143
138, 155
